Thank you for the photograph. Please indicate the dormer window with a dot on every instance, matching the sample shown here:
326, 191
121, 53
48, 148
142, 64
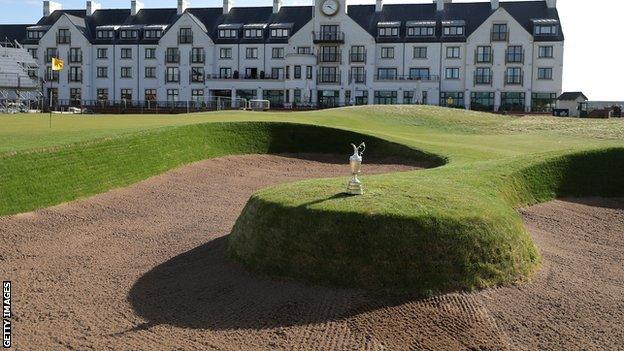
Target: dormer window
388, 29
254, 31
420, 28
229, 31
153, 34
546, 27
35, 34
128, 34
453, 28
105, 34
279, 33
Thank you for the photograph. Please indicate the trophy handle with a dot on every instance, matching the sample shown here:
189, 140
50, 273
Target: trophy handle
362, 147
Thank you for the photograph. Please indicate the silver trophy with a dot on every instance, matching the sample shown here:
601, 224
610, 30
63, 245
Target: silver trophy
355, 161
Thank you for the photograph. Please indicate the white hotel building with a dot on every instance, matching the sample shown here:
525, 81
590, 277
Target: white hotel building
485, 55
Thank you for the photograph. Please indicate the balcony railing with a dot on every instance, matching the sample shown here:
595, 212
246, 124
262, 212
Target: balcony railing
408, 78
269, 77
172, 58
357, 57
483, 79
514, 79
185, 38
330, 57
328, 37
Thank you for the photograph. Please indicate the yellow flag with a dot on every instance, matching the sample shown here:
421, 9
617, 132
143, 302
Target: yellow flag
57, 64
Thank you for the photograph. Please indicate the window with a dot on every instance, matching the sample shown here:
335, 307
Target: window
329, 75
105, 34
482, 101
451, 73
63, 36
483, 76
387, 73
228, 33
330, 54
126, 72
185, 36
453, 31
225, 72
419, 74
408, 97
172, 75
128, 34
512, 102
543, 102
126, 53
197, 75
420, 31
304, 50
173, 95
50, 53
297, 72
150, 95
361, 97
251, 53
102, 94
499, 32
150, 53
358, 53
35, 34
102, 72
546, 29
198, 55
253, 33
277, 73
483, 54
75, 55
452, 52
197, 95
308, 72
279, 33
33, 53
251, 73
420, 52
545, 52
388, 31
172, 55
330, 32
225, 53
150, 72
452, 99
387, 52
126, 94
52, 76
358, 75
513, 76
277, 53
102, 53
544, 73
75, 74
75, 94
515, 54
383, 97
152, 33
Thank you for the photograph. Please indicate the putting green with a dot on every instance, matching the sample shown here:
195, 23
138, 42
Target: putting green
445, 228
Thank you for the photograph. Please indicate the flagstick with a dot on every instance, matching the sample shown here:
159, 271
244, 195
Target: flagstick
50, 96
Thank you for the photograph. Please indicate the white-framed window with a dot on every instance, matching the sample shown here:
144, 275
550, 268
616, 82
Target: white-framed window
277, 53
173, 95
102, 53
387, 52
451, 73
150, 53
102, 72
544, 73
279, 33
126, 72
172, 75
388, 31
453, 30
251, 53
452, 52
225, 53
253, 33
420, 52
420, 31
126, 53
228, 33
150, 72
546, 51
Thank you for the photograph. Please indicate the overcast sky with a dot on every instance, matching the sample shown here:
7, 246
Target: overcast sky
593, 30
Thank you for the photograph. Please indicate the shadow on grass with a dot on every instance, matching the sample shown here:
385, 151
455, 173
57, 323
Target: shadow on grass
204, 289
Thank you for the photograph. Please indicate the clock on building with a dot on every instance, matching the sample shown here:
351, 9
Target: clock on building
330, 7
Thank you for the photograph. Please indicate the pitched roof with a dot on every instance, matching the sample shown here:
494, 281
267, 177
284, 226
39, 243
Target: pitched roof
572, 96
12, 32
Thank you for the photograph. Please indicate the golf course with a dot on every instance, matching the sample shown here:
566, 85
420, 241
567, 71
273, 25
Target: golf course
444, 211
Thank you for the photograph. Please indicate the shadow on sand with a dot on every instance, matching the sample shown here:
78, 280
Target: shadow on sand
204, 289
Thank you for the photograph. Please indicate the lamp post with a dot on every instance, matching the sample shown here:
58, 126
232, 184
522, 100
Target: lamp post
354, 187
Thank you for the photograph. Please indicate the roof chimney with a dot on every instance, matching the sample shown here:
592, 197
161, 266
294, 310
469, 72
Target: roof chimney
495, 4
182, 6
441, 3
277, 5
92, 6
378, 5
135, 7
50, 6
227, 6
551, 4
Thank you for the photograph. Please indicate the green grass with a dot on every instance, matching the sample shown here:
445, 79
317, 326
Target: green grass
445, 228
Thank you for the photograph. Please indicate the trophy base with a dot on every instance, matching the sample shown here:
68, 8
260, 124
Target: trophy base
355, 188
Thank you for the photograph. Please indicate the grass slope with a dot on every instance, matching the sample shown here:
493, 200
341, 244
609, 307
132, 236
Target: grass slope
452, 227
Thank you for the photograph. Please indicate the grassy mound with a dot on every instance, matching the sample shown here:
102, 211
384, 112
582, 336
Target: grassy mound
446, 228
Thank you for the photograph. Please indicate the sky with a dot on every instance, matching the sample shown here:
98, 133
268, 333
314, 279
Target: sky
594, 48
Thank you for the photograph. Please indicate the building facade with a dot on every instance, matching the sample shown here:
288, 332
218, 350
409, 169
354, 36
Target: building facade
488, 56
